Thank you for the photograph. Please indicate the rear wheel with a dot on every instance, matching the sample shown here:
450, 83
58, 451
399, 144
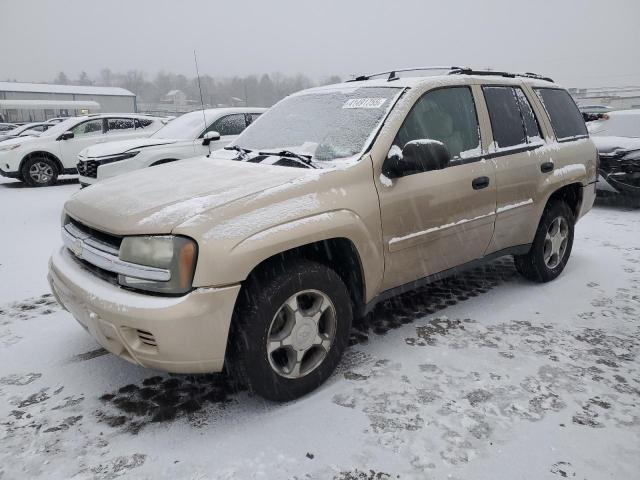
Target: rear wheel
39, 171
551, 247
290, 330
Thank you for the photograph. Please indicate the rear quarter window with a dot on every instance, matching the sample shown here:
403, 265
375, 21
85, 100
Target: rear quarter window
566, 119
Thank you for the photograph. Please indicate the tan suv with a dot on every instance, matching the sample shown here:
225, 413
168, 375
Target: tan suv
338, 197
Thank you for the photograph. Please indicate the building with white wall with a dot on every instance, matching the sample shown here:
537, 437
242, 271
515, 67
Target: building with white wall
31, 102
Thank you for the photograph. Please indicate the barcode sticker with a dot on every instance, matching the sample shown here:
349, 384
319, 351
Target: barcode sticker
364, 103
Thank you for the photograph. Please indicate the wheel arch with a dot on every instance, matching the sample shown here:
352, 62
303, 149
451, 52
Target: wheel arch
571, 194
44, 153
338, 253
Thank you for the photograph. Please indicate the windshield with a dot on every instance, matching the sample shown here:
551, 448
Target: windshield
326, 125
187, 127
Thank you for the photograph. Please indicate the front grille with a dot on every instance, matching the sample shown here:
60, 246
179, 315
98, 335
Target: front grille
108, 240
101, 273
88, 168
101, 240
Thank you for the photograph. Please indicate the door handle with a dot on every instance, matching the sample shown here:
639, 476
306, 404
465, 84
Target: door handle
547, 167
480, 182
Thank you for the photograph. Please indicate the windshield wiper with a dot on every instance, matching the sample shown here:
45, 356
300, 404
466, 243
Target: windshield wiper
304, 159
243, 153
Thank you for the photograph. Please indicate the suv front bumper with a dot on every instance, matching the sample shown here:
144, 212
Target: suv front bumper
186, 334
9, 174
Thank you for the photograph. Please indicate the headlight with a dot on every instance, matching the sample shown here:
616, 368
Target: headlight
176, 254
10, 147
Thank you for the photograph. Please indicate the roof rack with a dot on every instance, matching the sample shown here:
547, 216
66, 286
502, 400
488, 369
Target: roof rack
392, 74
470, 71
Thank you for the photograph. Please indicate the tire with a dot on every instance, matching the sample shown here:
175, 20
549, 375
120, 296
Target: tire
39, 171
540, 265
268, 334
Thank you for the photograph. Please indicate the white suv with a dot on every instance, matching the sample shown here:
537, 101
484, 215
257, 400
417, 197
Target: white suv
193, 134
39, 160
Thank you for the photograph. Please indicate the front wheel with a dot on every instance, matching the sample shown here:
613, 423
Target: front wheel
290, 329
551, 247
39, 172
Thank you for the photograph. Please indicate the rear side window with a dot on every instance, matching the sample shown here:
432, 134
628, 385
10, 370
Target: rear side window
531, 127
513, 122
447, 115
121, 124
504, 112
566, 119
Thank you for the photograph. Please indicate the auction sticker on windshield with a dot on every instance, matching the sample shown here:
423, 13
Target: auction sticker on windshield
364, 103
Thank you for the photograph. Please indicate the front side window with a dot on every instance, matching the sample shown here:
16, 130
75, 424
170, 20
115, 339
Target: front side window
565, 117
92, 127
121, 124
253, 117
447, 115
143, 122
229, 125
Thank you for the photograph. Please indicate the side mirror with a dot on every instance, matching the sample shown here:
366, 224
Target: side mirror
417, 156
66, 135
210, 137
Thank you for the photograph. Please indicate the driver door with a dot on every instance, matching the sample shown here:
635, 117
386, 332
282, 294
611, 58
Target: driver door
85, 134
436, 220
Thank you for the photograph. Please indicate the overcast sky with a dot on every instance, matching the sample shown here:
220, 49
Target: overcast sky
579, 43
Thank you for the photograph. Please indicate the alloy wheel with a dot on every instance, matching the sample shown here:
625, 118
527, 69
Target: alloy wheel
41, 172
555, 242
301, 333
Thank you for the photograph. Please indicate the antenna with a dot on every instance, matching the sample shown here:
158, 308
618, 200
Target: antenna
204, 118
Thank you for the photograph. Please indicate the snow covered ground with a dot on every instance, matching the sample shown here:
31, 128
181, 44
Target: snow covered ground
484, 376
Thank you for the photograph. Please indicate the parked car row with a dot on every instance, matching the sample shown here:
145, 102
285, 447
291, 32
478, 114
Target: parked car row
105, 145
190, 135
259, 256
38, 160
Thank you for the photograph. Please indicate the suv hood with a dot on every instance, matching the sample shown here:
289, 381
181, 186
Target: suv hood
122, 146
156, 200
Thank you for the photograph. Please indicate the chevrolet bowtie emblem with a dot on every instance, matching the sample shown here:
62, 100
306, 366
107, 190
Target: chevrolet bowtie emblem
76, 247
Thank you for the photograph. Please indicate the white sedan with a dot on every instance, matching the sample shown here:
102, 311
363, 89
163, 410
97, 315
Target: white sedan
190, 135
39, 160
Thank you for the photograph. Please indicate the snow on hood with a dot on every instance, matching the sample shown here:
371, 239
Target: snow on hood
114, 148
608, 144
156, 200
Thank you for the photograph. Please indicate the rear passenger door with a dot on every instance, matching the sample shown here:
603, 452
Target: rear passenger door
436, 220
519, 159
